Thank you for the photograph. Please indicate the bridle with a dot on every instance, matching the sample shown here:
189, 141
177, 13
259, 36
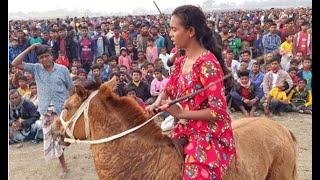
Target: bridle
84, 108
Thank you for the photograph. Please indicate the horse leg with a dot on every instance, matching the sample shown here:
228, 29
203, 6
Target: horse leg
284, 165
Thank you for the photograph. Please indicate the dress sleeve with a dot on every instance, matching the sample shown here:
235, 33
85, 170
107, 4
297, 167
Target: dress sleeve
210, 72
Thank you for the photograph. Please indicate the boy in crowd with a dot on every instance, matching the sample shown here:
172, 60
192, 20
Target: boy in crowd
164, 56
33, 95
246, 57
293, 74
305, 72
301, 98
158, 83
23, 86
96, 72
255, 75
131, 92
275, 76
245, 95
232, 65
62, 59
277, 100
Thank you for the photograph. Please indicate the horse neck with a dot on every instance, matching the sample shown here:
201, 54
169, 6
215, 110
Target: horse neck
119, 114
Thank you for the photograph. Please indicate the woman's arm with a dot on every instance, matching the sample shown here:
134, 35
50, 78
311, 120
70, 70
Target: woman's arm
203, 114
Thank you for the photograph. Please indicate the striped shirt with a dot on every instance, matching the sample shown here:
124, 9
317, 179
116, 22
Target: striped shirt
53, 87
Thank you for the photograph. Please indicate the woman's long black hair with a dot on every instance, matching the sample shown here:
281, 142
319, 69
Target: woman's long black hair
192, 16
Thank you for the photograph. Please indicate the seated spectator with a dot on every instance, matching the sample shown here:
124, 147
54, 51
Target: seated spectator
115, 69
96, 72
23, 86
242, 67
24, 123
159, 64
232, 65
246, 57
141, 59
255, 75
275, 77
74, 71
134, 65
131, 92
293, 74
82, 74
120, 88
62, 59
104, 69
292, 64
267, 60
123, 69
164, 56
33, 95
305, 72
76, 63
301, 98
277, 100
29, 77
158, 83
245, 96
142, 88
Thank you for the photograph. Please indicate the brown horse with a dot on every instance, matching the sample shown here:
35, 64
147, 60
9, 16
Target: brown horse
266, 150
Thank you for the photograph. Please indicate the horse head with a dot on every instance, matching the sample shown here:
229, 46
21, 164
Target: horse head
62, 126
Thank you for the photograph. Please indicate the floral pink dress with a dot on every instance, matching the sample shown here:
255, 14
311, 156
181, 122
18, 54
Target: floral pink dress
211, 147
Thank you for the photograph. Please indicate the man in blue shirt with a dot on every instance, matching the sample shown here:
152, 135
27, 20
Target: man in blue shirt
15, 50
255, 75
271, 41
53, 85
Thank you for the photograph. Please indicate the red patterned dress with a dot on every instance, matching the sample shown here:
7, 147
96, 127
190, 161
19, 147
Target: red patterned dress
211, 147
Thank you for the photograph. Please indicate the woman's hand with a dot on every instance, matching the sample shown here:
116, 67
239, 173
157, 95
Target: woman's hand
175, 111
156, 105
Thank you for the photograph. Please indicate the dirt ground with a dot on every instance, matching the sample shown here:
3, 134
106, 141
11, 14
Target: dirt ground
28, 161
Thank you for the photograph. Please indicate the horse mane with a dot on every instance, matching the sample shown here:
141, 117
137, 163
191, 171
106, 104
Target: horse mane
132, 115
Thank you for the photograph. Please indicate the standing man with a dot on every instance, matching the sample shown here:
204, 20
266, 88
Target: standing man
53, 85
271, 41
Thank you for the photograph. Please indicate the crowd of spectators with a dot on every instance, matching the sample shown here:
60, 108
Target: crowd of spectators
268, 52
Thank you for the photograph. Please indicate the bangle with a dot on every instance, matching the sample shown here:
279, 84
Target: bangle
213, 113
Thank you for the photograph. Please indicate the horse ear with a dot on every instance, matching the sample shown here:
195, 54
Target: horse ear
108, 87
81, 91
112, 83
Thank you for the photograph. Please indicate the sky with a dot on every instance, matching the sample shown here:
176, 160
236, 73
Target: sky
99, 5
